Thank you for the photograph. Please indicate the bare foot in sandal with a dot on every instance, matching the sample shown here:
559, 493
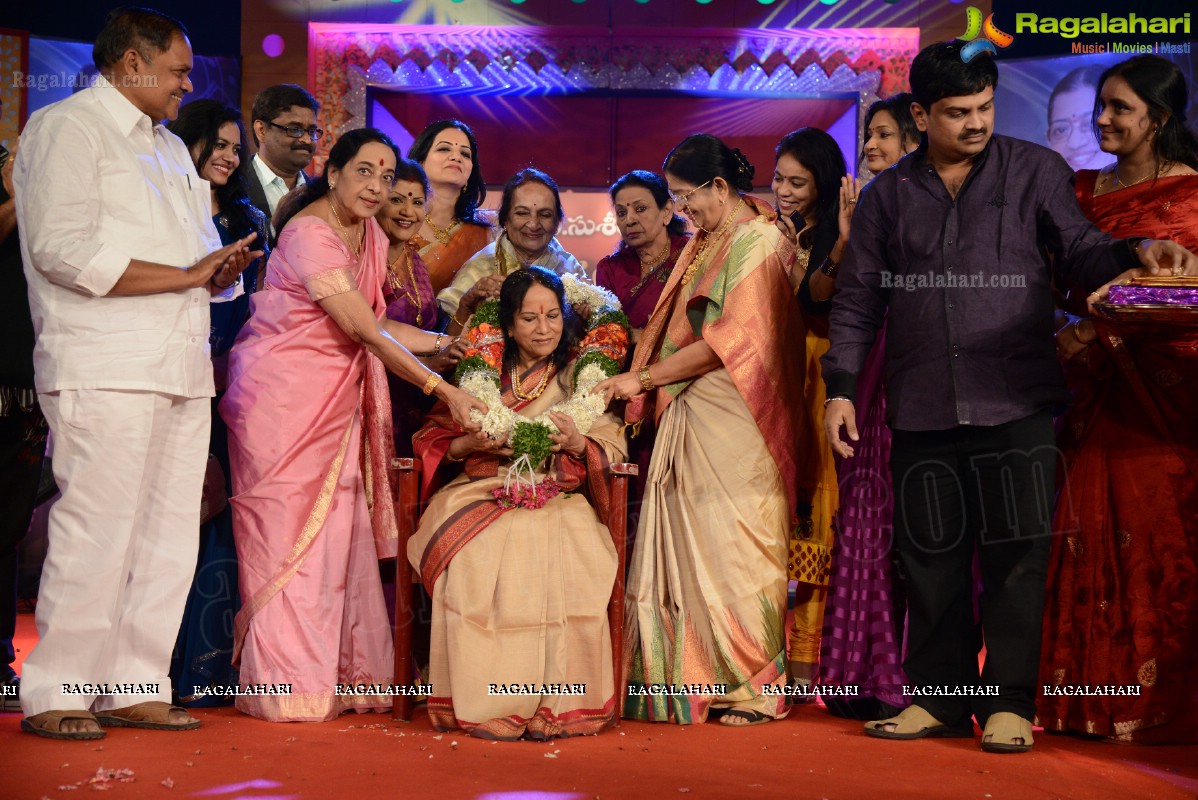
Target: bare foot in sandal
72, 724
152, 715
742, 718
1007, 733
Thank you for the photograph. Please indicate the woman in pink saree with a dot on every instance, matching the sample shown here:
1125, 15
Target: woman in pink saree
309, 417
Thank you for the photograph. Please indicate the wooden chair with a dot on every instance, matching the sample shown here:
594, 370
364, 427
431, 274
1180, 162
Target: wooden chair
406, 484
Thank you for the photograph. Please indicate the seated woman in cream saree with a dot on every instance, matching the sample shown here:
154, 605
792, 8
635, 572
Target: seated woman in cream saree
521, 572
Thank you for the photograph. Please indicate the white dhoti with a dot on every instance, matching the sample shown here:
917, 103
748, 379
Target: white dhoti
122, 547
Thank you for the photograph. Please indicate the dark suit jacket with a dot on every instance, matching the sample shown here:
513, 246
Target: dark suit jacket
258, 194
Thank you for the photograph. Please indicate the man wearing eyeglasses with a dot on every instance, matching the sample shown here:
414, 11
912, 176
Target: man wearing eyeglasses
285, 133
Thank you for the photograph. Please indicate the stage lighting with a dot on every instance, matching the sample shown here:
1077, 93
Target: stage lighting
273, 45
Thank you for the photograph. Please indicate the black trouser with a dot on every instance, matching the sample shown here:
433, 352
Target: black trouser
989, 488
22, 448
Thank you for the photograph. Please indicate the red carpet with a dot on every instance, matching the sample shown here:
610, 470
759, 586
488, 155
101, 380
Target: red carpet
809, 755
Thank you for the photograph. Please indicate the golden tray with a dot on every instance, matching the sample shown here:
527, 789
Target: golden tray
1156, 313
1172, 281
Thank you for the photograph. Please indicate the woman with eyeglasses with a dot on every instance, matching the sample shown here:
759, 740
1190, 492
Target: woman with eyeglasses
455, 227
204, 650
308, 415
720, 366
529, 216
1071, 119
1122, 604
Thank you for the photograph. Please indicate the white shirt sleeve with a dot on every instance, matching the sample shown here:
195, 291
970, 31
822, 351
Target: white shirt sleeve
58, 211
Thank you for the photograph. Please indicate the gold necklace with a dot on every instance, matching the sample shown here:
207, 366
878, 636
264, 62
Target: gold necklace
518, 390
442, 234
357, 251
396, 284
1161, 170
709, 242
649, 263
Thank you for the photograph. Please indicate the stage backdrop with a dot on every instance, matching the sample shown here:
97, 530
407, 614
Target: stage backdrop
587, 105
585, 142
59, 68
14, 64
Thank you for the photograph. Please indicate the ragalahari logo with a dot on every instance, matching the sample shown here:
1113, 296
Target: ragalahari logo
988, 30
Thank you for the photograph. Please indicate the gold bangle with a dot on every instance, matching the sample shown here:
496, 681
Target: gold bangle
646, 380
458, 321
437, 344
450, 458
430, 385
1077, 335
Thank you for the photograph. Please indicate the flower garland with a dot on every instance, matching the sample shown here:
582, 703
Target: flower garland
601, 355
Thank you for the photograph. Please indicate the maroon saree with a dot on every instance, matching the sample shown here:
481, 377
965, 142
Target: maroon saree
1120, 643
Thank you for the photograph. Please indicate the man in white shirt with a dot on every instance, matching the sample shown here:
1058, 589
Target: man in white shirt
285, 135
111, 211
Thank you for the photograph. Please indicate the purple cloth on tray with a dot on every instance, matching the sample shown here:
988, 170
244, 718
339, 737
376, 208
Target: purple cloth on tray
1155, 295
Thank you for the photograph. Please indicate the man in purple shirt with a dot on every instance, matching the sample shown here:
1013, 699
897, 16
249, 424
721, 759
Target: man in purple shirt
958, 248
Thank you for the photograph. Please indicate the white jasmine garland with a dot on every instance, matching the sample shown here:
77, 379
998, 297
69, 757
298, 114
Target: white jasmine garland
588, 294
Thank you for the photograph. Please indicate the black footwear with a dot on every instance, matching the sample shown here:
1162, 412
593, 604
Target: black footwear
10, 694
751, 718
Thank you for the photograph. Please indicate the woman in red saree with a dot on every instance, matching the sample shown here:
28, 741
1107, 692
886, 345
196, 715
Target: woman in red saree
721, 359
652, 238
521, 636
1122, 606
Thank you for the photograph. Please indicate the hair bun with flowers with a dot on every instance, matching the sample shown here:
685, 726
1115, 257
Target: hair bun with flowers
600, 355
